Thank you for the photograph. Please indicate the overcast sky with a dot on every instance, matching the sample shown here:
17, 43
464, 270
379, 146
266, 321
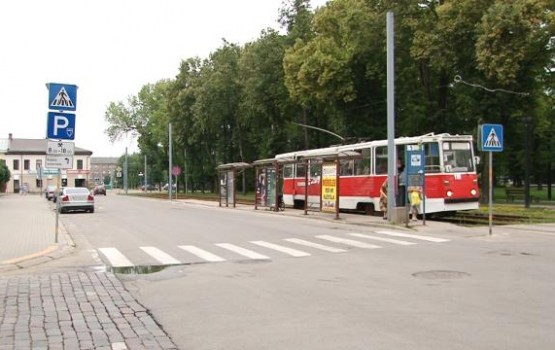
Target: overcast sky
109, 49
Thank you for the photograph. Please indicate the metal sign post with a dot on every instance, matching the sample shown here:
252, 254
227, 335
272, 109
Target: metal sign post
416, 178
491, 140
61, 126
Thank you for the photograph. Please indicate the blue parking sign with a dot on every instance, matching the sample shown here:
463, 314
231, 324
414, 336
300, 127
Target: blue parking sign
492, 138
60, 126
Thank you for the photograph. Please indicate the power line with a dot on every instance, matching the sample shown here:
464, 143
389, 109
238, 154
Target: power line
458, 79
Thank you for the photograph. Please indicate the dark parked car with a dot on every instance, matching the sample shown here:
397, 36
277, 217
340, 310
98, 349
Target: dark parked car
149, 187
100, 189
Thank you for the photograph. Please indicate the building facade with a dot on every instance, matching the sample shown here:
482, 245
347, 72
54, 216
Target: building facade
26, 158
103, 169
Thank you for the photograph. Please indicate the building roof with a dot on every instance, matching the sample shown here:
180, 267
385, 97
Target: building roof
35, 146
104, 160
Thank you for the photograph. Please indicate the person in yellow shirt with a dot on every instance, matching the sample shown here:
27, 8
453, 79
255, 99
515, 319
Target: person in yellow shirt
415, 198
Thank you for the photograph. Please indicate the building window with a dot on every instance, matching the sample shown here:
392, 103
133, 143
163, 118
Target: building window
38, 164
26, 164
16, 164
79, 164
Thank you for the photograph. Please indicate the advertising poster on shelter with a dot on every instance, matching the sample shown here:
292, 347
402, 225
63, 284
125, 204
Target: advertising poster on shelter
329, 187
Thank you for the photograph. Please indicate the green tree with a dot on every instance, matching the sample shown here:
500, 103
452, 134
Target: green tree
4, 174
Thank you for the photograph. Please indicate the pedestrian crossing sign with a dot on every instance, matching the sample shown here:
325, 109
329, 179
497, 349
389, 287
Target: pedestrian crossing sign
62, 97
491, 139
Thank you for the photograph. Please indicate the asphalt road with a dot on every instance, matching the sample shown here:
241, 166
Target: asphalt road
458, 291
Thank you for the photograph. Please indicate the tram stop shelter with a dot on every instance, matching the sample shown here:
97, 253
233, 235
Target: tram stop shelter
227, 174
330, 166
268, 180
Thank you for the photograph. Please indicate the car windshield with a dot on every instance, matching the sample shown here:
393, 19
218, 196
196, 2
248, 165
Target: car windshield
79, 190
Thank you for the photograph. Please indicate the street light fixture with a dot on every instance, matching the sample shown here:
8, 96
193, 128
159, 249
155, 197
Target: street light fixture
141, 177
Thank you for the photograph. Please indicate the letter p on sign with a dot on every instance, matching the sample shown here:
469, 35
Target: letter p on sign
61, 126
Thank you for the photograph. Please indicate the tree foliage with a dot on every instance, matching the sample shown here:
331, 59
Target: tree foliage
4, 172
328, 70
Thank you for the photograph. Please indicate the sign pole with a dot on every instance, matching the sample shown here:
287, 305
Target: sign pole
57, 194
490, 204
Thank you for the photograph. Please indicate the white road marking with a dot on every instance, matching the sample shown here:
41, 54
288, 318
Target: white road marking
201, 253
350, 242
119, 346
389, 240
315, 245
115, 257
242, 251
159, 255
410, 235
293, 252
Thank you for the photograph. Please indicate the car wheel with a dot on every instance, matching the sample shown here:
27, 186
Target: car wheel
91, 210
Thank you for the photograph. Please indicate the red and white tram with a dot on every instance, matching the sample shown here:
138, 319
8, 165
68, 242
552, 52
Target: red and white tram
450, 173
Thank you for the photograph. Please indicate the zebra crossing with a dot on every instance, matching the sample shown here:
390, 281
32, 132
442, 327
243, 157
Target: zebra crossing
260, 250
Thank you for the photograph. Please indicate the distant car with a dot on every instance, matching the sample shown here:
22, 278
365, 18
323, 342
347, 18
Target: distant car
149, 187
76, 198
50, 192
165, 187
100, 189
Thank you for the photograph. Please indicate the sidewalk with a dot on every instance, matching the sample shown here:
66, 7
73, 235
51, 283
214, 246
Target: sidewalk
27, 231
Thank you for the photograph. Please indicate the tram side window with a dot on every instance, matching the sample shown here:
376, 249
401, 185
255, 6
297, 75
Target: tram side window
431, 151
288, 171
301, 170
381, 160
362, 165
347, 167
315, 169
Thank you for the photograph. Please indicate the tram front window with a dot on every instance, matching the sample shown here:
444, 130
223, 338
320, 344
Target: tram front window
457, 157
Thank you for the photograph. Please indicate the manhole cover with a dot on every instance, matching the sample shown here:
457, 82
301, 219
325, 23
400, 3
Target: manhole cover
440, 275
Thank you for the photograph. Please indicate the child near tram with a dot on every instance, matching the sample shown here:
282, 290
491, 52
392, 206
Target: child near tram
415, 198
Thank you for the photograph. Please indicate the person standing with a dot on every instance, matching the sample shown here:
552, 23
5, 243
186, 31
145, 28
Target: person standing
415, 198
383, 199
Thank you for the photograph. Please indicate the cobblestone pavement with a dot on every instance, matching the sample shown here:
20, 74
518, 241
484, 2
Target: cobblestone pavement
74, 310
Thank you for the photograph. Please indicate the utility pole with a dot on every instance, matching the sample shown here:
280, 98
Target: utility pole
170, 187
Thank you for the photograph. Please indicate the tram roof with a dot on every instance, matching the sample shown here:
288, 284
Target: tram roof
341, 149
238, 165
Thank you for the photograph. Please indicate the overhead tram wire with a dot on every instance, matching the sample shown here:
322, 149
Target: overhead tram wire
459, 79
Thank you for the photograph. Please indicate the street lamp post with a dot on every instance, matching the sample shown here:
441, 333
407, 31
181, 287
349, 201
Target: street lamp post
527, 121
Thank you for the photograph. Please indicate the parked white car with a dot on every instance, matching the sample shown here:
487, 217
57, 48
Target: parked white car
76, 198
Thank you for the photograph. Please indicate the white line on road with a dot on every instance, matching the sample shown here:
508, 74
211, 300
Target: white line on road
201, 253
160, 256
350, 242
389, 240
115, 257
242, 251
293, 252
119, 346
410, 235
315, 245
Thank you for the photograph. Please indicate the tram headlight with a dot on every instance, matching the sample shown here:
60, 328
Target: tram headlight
473, 192
449, 193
